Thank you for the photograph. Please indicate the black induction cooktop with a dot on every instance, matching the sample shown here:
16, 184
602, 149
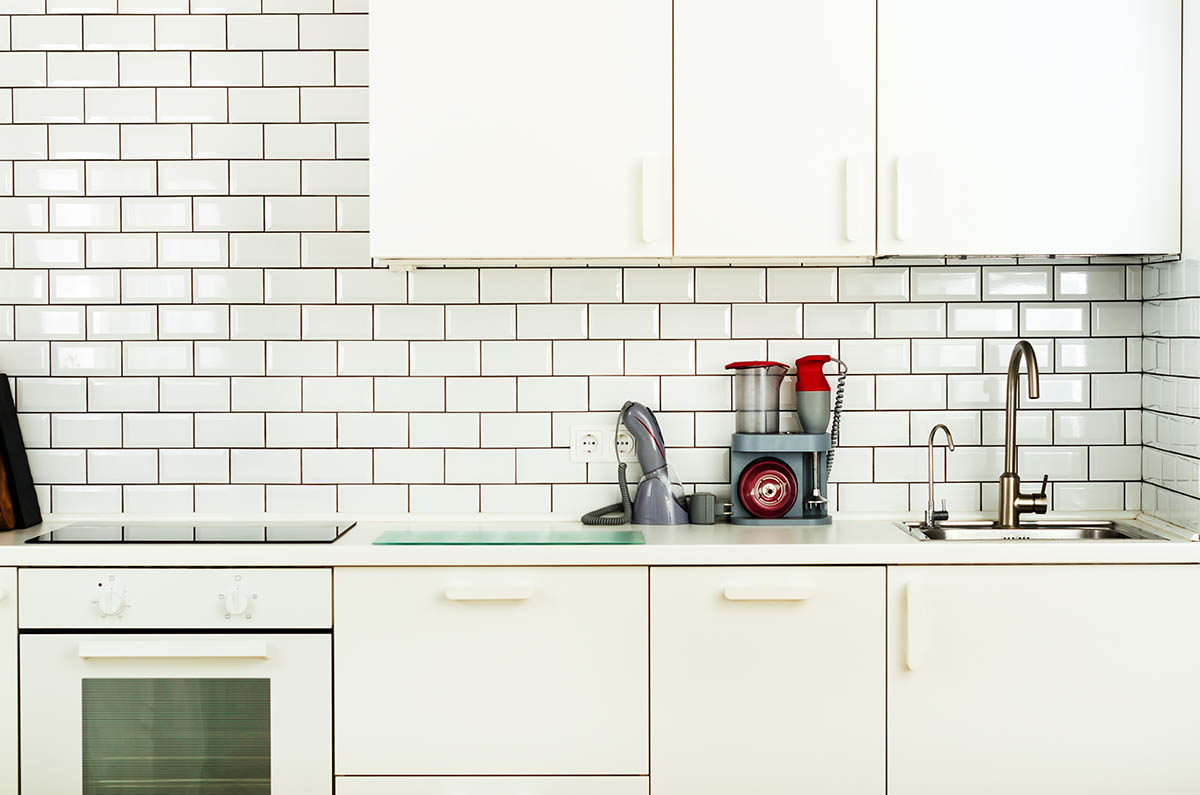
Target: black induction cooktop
194, 533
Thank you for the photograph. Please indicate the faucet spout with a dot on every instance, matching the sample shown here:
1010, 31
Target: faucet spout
1012, 502
1022, 350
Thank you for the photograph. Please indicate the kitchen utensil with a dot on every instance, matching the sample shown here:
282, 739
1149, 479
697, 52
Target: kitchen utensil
756, 395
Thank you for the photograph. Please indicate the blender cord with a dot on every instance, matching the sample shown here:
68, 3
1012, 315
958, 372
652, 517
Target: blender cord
835, 427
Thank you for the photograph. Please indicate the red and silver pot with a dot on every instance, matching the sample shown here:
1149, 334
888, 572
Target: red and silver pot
756, 395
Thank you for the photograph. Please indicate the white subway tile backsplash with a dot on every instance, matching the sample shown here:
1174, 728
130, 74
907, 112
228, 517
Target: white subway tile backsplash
799, 285
982, 320
945, 283
1028, 283
873, 284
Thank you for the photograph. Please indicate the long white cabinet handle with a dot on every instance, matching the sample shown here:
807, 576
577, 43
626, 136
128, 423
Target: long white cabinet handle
154, 649
491, 593
768, 593
853, 197
653, 176
901, 199
913, 604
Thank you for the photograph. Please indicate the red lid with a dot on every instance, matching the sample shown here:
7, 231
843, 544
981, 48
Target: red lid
748, 365
809, 377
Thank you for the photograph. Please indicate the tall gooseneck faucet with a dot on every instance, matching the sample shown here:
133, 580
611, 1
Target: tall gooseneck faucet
1012, 502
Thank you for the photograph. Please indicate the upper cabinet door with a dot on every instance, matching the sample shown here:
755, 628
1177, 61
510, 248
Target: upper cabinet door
520, 129
1029, 126
774, 127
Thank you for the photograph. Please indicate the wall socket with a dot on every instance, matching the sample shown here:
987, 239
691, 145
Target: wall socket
595, 445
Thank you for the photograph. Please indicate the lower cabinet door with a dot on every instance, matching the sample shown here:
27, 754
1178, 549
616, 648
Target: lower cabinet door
491, 670
493, 785
1043, 680
767, 680
8, 682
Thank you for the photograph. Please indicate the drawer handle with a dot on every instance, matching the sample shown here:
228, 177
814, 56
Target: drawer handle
103, 649
501, 593
913, 598
768, 593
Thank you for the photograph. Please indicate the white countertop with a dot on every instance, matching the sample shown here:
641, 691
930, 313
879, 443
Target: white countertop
850, 540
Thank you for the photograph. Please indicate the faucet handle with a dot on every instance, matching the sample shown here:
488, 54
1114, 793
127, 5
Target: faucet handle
1045, 483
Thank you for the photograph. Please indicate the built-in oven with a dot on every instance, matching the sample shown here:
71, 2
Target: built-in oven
198, 681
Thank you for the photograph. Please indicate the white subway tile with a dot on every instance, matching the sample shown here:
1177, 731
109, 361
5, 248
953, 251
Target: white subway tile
58, 466
445, 358
121, 178
372, 358
45, 32
301, 430
298, 141
228, 287
302, 499
552, 394
1123, 318
333, 104
725, 285
335, 466
659, 285
191, 32
697, 393
910, 391
230, 499
373, 430
802, 284
557, 321
588, 357
945, 283
947, 356
996, 355
300, 68
86, 287
257, 177
157, 499
264, 105
1090, 355
335, 322
650, 357
1089, 427
982, 320
158, 430
767, 320
874, 283
122, 394
302, 358
22, 69
157, 214
299, 286
514, 499
443, 286
84, 142
515, 430
209, 105
156, 69
341, 393
122, 466
1115, 391
480, 322
86, 430
51, 394
572, 285
195, 323
49, 251
194, 394
122, 322
410, 322
332, 249
193, 466
444, 430
226, 68
263, 32
157, 358
265, 394
713, 355
75, 69
410, 394
910, 320
119, 105
85, 499
409, 466
877, 356
47, 105
480, 466
623, 321
1058, 319
156, 286
1020, 283
1086, 497
126, 32
234, 214
23, 142
964, 425
192, 177
1092, 283
333, 32
839, 320
353, 141
548, 466
696, 321
340, 177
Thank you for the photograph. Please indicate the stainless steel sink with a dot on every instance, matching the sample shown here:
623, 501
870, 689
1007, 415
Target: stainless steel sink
1048, 530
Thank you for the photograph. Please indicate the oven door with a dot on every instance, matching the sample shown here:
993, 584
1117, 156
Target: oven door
119, 714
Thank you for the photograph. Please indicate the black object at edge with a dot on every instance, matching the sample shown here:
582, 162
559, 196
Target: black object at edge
15, 463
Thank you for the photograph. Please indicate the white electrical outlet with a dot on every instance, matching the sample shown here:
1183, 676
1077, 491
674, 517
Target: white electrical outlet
595, 445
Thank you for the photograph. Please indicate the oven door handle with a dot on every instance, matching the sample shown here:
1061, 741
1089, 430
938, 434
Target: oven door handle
179, 649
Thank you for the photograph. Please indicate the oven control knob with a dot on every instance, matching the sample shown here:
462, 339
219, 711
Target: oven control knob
236, 604
110, 602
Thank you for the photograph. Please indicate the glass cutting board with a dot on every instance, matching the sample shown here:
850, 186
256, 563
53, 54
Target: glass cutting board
509, 537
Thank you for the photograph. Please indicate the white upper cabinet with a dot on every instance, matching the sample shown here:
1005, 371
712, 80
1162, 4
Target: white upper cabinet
774, 128
520, 129
1029, 126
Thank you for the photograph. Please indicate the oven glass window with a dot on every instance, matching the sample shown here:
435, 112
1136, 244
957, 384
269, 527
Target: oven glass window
176, 736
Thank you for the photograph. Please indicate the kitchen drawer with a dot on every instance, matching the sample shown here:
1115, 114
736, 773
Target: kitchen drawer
494, 785
498, 671
8, 682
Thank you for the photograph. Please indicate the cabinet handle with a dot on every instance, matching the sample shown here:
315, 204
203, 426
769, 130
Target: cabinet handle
853, 197
102, 649
501, 593
913, 603
901, 199
652, 185
768, 593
